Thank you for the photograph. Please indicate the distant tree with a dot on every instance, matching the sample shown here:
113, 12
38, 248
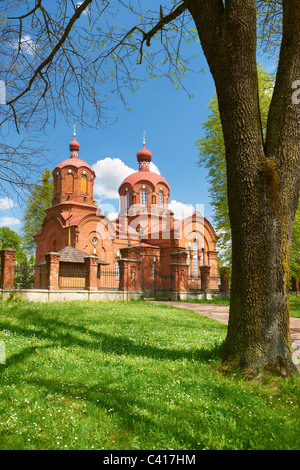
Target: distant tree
212, 156
39, 199
10, 239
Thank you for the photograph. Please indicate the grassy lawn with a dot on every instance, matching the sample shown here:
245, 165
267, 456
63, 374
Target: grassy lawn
294, 304
132, 376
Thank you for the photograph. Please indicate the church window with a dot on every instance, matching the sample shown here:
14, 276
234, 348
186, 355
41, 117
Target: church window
127, 200
57, 187
144, 197
202, 256
189, 262
69, 183
153, 267
83, 184
94, 240
195, 258
117, 270
160, 199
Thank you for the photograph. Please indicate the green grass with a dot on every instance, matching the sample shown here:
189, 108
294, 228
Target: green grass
295, 306
293, 299
131, 376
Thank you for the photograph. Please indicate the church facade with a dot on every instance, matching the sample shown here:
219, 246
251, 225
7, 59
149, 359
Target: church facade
75, 227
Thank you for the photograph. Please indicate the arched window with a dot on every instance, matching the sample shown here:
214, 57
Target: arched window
144, 197
57, 186
117, 269
160, 199
195, 258
69, 183
202, 257
83, 184
127, 200
189, 261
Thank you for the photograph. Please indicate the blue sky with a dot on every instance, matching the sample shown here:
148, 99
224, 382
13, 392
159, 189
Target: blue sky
172, 122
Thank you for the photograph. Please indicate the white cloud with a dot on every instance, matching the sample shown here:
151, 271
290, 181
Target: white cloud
28, 46
6, 203
110, 172
154, 168
9, 221
85, 12
180, 209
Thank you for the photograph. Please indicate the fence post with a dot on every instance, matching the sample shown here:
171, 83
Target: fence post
8, 256
91, 263
179, 271
52, 274
205, 277
130, 269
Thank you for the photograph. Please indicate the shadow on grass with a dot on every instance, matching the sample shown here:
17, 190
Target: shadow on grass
36, 329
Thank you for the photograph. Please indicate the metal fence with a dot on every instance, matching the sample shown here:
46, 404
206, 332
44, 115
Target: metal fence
30, 276
108, 278
70, 276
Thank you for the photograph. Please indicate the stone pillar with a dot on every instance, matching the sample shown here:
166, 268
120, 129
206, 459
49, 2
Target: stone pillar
224, 278
205, 277
295, 285
179, 271
130, 269
91, 263
52, 270
213, 263
8, 256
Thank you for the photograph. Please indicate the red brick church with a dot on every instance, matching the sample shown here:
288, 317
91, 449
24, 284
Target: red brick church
75, 228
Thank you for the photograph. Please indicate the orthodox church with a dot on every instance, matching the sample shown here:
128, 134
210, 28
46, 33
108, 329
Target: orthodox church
75, 227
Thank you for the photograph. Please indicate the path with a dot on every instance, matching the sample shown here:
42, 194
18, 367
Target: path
221, 312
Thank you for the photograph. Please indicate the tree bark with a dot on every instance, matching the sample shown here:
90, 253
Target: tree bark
262, 179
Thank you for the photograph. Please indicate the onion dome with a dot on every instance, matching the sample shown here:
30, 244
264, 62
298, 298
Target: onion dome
144, 157
73, 159
74, 147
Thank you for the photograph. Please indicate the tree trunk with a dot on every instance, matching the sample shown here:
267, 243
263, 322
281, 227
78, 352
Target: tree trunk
262, 178
261, 222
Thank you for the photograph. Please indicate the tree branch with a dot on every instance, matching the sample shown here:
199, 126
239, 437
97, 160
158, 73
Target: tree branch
165, 20
51, 56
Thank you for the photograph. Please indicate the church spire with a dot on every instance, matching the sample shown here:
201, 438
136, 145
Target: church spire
74, 145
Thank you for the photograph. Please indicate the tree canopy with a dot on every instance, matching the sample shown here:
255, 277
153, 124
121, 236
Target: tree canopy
39, 199
212, 156
10, 239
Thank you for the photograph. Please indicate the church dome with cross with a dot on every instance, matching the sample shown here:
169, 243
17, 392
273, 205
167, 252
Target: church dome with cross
73, 178
144, 187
